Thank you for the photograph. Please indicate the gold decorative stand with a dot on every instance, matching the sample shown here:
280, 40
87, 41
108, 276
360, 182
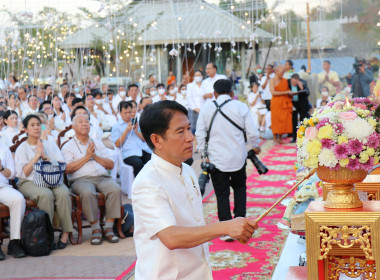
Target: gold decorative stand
342, 241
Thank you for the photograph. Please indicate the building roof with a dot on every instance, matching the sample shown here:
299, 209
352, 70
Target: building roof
160, 22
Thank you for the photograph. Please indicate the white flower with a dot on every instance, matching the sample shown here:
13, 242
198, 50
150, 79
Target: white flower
358, 128
327, 158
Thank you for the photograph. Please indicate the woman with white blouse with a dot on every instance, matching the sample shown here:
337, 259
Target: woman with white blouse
31, 152
195, 98
14, 104
61, 120
11, 129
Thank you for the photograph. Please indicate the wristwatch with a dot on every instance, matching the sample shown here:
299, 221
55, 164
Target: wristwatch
2, 168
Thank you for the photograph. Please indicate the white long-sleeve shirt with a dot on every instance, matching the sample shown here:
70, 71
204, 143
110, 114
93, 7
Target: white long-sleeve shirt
7, 162
226, 146
208, 85
267, 95
195, 96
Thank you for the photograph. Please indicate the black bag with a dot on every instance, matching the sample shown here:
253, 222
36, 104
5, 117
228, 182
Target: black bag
127, 221
37, 234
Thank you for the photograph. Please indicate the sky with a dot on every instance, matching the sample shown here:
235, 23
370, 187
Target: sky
71, 6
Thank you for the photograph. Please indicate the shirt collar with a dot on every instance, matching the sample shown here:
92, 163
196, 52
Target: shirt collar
223, 97
161, 163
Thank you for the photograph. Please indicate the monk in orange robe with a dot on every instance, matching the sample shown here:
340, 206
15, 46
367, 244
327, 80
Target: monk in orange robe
281, 106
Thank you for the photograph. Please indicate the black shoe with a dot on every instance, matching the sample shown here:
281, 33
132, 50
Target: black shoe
60, 245
294, 141
2, 256
15, 249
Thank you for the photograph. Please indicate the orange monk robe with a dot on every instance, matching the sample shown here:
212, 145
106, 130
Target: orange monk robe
281, 110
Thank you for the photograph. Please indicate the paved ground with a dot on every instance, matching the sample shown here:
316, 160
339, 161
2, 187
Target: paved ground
106, 261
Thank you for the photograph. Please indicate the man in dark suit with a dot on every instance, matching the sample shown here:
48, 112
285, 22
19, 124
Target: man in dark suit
300, 101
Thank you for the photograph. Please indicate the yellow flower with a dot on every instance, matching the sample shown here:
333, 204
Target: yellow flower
376, 160
342, 139
344, 162
312, 162
301, 128
311, 122
353, 157
305, 121
313, 147
370, 151
364, 157
372, 122
300, 141
325, 132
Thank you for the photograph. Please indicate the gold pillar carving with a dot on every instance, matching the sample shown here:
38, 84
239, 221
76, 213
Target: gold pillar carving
352, 267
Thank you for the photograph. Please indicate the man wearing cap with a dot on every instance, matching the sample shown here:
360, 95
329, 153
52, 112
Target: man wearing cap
226, 148
170, 233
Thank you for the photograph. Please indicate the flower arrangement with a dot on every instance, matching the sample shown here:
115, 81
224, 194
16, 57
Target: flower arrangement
342, 134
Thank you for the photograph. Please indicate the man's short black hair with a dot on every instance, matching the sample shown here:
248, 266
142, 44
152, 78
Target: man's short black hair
133, 85
76, 100
296, 76
213, 65
327, 61
110, 91
223, 86
98, 93
46, 86
155, 118
74, 112
124, 105
290, 62
43, 103
160, 85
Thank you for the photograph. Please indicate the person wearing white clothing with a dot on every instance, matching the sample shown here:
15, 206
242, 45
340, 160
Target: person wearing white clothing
264, 85
14, 200
22, 95
257, 105
195, 97
10, 118
181, 97
227, 147
208, 84
120, 96
170, 233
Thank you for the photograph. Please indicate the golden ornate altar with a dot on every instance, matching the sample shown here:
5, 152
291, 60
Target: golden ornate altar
342, 241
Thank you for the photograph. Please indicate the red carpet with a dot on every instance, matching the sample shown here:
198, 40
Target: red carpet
257, 259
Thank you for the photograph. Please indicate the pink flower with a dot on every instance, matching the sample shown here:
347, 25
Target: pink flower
311, 133
341, 151
368, 165
322, 123
355, 147
338, 127
347, 116
360, 106
327, 143
338, 105
353, 164
373, 140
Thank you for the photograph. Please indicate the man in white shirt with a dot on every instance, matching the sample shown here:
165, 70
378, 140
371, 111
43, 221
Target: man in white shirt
14, 200
120, 96
133, 93
328, 78
207, 84
264, 85
22, 95
170, 233
87, 163
226, 148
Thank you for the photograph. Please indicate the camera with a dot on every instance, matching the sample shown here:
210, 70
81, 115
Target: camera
261, 168
204, 178
134, 121
358, 63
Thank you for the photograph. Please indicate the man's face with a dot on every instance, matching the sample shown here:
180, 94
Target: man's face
280, 72
177, 145
133, 91
104, 87
90, 102
326, 66
48, 110
41, 94
269, 70
82, 125
294, 82
33, 102
287, 66
121, 89
126, 114
22, 93
146, 102
210, 70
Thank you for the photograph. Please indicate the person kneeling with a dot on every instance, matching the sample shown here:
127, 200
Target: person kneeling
87, 163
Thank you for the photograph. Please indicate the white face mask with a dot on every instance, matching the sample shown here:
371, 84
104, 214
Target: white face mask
325, 93
170, 98
198, 79
153, 93
183, 92
172, 91
99, 101
176, 89
161, 91
78, 95
122, 93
